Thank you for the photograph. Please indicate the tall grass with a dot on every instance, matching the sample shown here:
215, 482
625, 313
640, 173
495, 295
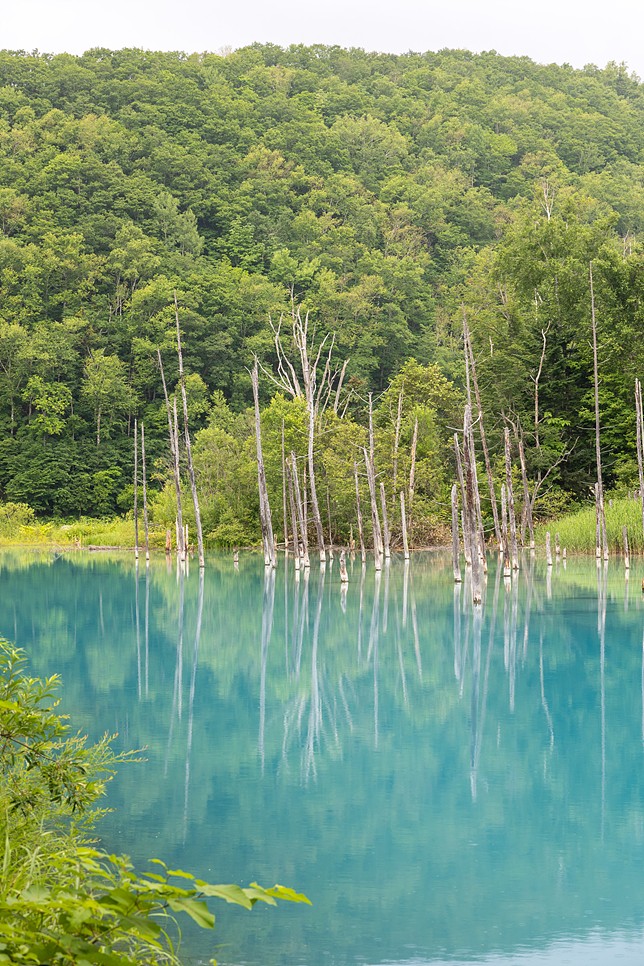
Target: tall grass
577, 530
86, 532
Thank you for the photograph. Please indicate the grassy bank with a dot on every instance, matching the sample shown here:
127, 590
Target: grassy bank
577, 529
79, 534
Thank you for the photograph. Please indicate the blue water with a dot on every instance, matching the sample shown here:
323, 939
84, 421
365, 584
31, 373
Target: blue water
447, 786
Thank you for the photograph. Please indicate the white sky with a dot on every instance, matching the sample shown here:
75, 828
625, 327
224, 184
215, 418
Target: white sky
573, 31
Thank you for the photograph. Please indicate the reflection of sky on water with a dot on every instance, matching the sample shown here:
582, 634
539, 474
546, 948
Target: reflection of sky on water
593, 950
448, 785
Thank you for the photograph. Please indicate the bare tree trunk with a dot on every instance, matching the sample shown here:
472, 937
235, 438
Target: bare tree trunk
385, 523
300, 514
412, 476
486, 453
315, 509
627, 560
174, 454
191, 468
264, 506
510, 496
397, 440
507, 568
527, 503
403, 523
328, 513
146, 522
363, 555
639, 414
455, 541
284, 493
470, 506
467, 548
344, 576
597, 444
548, 550
375, 520
296, 542
181, 538
136, 490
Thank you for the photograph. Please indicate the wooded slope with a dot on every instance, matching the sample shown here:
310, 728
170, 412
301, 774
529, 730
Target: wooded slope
382, 192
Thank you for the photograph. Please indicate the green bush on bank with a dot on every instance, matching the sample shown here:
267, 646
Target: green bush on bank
63, 901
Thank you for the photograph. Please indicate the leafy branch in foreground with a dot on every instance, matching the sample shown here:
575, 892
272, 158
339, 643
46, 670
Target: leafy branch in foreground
63, 901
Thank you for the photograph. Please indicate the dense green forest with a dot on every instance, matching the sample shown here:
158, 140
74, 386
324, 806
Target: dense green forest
385, 195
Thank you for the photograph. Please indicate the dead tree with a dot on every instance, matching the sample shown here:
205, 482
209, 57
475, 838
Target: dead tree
182, 543
412, 475
397, 440
403, 524
505, 545
486, 454
266, 522
639, 415
174, 455
375, 520
385, 522
455, 541
186, 431
136, 490
470, 510
467, 547
600, 485
294, 528
510, 498
363, 555
527, 503
284, 493
146, 522
307, 382
371, 477
304, 538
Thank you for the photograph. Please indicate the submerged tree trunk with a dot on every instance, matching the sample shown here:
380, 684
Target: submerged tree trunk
186, 431
470, 514
375, 520
264, 505
284, 493
146, 522
136, 490
174, 454
510, 498
385, 522
639, 414
300, 514
486, 454
600, 485
455, 541
403, 524
363, 555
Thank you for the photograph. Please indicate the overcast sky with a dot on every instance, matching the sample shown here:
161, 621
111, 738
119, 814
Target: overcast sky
577, 32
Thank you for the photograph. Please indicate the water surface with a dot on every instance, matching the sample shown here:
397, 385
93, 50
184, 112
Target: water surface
446, 785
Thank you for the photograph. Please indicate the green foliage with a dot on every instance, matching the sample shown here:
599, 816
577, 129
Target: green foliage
380, 193
61, 900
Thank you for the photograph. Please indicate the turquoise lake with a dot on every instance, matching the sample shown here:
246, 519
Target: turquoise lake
446, 786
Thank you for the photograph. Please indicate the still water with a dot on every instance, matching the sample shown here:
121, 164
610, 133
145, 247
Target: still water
445, 786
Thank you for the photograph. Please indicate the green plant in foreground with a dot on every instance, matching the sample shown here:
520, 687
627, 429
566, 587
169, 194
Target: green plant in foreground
63, 901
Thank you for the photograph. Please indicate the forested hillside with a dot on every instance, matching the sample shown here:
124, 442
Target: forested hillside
386, 195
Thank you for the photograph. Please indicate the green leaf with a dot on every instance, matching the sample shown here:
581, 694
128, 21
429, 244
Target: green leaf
196, 909
229, 893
